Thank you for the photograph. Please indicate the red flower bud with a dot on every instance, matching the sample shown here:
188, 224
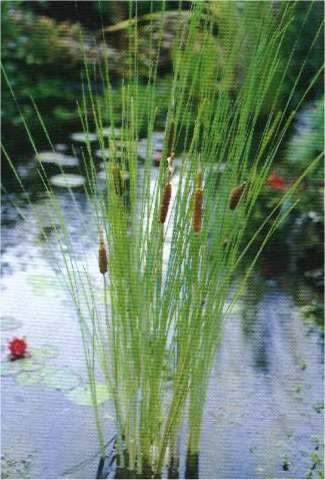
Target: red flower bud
18, 348
276, 181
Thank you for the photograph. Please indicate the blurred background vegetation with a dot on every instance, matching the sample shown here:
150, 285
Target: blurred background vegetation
45, 44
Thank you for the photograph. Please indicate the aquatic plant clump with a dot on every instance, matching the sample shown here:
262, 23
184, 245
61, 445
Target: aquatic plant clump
172, 239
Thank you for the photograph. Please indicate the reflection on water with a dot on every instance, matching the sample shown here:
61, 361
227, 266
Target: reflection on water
264, 392
264, 407
256, 333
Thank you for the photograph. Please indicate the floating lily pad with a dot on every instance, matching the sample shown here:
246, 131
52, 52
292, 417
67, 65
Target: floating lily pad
82, 395
67, 180
27, 364
48, 157
108, 132
60, 378
57, 158
10, 323
46, 351
9, 368
42, 284
29, 378
83, 137
106, 153
21, 365
102, 175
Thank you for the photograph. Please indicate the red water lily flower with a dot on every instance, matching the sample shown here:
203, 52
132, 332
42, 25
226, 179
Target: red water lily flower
18, 348
276, 181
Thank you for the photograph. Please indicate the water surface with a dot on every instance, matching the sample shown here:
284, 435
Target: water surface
264, 411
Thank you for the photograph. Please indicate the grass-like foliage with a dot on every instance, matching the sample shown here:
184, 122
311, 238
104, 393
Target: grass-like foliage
171, 241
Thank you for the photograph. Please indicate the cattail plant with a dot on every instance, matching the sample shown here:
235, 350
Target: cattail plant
165, 289
102, 255
165, 202
236, 195
198, 201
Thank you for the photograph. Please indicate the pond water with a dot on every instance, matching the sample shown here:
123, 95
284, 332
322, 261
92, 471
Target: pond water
264, 411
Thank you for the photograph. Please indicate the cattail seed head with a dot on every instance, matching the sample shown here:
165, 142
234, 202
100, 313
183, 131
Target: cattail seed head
102, 255
235, 195
165, 202
197, 214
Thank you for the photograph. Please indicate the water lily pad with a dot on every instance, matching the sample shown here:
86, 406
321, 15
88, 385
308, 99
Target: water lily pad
21, 365
106, 153
46, 351
43, 284
29, 378
82, 395
48, 157
10, 323
57, 158
108, 132
9, 368
67, 180
83, 137
102, 175
28, 364
60, 378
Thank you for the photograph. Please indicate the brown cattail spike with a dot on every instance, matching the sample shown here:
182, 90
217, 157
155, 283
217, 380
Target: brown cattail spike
165, 202
235, 195
197, 214
102, 256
